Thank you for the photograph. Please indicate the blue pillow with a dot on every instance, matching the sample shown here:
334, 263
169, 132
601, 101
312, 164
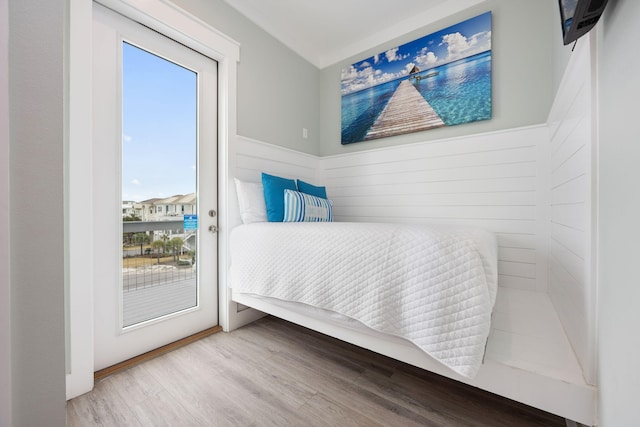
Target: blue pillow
306, 188
301, 207
274, 187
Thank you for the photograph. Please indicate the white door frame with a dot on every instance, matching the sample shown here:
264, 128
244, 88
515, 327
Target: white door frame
177, 24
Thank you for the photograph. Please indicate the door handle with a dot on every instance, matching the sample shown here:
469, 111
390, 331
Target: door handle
213, 228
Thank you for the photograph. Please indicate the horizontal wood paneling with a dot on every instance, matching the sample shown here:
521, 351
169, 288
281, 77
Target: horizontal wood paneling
571, 283
461, 186
517, 282
485, 158
436, 176
254, 157
518, 240
522, 198
517, 255
496, 213
464, 146
569, 239
574, 191
570, 262
489, 181
571, 215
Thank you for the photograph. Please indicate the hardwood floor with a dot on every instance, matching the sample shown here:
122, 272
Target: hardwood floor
274, 373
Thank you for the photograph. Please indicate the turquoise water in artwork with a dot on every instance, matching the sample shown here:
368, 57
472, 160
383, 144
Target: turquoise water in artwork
459, 93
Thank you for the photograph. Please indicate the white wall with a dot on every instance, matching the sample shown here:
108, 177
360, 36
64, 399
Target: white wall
572, 284
619, 212
36, 114
5, 288
489, 180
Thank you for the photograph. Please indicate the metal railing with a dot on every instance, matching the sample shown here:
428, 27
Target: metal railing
156, 253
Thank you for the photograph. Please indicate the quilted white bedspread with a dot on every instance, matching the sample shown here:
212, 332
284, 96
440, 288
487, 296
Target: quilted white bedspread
433, 286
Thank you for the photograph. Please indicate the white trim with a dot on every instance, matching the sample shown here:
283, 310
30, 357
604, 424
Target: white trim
179, 25
278, 147
593, 200
78, 213
435, 141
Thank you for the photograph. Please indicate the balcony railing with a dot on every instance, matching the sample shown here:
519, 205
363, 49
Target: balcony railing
158, 269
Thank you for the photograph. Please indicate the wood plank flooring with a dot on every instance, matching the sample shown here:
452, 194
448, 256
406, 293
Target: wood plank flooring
274, 373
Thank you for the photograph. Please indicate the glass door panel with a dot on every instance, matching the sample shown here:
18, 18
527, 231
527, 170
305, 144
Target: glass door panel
159, 158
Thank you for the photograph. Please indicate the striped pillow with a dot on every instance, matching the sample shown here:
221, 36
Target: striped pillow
301, 207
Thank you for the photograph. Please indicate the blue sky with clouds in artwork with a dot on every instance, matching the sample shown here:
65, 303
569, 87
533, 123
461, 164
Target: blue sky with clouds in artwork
456, 42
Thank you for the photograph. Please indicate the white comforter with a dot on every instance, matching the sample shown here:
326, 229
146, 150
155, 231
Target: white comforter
433, 286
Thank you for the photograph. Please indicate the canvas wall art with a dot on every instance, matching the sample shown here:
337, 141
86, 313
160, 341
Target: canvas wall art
442, 79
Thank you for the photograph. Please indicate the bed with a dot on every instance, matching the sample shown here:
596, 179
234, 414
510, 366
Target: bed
345, 280
426, 287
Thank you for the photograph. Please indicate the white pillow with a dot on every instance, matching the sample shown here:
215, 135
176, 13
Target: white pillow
301, 207
251, 201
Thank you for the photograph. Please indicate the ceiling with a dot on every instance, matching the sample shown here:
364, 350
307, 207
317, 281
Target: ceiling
327, 31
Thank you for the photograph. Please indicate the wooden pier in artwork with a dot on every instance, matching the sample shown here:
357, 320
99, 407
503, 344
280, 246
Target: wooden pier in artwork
407, 111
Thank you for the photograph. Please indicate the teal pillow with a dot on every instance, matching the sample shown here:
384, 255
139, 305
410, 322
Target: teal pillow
274, 187
307, 188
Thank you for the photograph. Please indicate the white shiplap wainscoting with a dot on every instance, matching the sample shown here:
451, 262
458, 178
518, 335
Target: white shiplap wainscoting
490, 180
248, 158
254, 157
572, 153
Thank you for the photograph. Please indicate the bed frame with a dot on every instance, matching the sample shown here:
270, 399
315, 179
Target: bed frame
555, 392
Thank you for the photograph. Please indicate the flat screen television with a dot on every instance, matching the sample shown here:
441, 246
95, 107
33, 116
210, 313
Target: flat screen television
579, 17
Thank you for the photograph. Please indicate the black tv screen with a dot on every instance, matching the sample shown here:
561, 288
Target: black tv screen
579, 17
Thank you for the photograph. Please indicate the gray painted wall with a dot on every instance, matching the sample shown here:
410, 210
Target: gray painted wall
5, 284
36, 114
561, 53
277, 89
522, 74
619, 210
279, 92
